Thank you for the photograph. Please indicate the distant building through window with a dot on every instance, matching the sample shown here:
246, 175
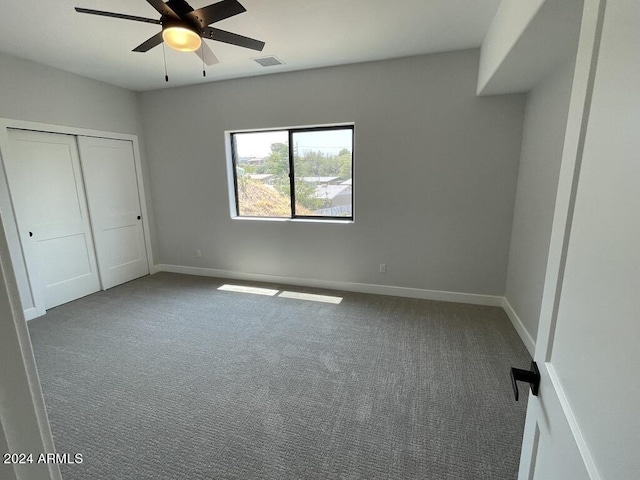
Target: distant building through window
294, 173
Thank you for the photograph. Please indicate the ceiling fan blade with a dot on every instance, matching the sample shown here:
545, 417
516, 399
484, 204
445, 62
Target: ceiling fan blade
207, 56
163, 8
214, 13
232, 38
117, 15
150, 43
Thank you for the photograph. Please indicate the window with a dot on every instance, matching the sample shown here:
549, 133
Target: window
294, 173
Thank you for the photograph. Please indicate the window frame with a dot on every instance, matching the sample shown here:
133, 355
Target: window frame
292, 195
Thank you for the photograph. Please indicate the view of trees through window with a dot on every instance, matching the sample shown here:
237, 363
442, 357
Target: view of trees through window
321, 160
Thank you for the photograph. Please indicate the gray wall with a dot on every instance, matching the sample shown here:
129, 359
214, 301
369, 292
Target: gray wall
38, 93
435, 174
543, 139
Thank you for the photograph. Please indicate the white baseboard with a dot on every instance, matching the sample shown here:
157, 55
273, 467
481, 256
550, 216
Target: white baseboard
456, 297
30, 313
524, 334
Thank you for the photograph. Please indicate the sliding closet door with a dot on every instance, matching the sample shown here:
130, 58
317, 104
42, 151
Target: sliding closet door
45, 181
114, 204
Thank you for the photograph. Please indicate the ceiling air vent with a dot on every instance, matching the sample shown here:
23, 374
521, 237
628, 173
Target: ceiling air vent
270, 61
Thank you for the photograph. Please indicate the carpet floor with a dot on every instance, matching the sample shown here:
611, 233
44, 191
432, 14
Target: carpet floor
168, 377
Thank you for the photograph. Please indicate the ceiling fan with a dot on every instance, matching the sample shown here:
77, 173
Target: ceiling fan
183, 27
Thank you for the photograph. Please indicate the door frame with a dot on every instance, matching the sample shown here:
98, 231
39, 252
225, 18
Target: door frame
23, 414
26, 271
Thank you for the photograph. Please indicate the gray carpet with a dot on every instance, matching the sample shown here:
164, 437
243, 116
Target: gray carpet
167, 377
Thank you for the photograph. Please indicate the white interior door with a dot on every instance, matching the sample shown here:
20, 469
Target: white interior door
45, 180
114, 204
585, 423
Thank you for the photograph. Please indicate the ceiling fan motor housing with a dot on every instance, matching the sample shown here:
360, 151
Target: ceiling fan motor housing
169, 22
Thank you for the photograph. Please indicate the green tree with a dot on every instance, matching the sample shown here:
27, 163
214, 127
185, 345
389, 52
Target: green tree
306, 195
277, 163
344, 164
309, 164
278, 160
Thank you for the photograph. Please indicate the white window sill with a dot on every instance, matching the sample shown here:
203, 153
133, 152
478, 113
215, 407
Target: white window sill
294, 220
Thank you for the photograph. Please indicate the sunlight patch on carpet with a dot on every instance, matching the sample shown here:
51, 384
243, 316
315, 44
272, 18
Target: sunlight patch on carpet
311, 297
243, 289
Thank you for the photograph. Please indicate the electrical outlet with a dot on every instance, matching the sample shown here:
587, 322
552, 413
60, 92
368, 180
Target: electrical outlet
383, 268
198, 253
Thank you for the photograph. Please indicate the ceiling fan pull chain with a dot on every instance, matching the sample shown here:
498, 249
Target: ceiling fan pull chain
164, 55
204, 72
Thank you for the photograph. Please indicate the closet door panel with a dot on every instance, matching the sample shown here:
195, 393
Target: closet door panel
45, 181
114, 203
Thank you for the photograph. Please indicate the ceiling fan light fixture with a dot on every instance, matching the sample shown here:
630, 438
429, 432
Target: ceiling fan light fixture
181, 38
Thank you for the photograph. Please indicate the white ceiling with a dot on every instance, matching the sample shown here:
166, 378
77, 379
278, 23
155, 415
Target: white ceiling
302, 33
